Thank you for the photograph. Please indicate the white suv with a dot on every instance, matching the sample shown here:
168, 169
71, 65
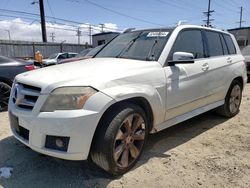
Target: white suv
143, 81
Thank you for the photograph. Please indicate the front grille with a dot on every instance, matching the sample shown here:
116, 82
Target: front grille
25, 96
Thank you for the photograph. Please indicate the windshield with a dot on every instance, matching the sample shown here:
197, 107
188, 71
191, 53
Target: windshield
141, 45
246, 50
83, 53
94, 51
53, 56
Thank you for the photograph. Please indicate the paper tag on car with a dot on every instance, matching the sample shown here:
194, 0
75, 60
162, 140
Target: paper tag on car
157, 34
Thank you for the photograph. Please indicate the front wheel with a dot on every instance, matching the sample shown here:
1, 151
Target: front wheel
232, 100
120, 138
4, 96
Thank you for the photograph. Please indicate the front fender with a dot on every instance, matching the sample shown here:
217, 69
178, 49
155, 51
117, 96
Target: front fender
155, 97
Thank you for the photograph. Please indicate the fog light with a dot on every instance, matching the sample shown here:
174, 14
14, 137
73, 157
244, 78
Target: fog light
59, 143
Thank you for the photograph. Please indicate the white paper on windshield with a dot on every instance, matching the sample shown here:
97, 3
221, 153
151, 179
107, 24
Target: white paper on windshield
157, 34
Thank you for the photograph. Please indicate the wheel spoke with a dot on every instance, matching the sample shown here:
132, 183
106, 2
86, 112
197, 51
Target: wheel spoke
128, 123
137, 123
140, 135
124, 159
134, 151
118, 151
120, 135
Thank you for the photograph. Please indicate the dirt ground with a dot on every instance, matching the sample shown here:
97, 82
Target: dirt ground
206, 151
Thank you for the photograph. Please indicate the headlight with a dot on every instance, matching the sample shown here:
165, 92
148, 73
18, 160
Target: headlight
67, 98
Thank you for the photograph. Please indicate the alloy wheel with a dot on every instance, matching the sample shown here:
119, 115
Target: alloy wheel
235, 98
4, 96
129, 140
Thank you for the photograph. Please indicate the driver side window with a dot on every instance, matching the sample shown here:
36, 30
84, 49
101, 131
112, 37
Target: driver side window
189, 41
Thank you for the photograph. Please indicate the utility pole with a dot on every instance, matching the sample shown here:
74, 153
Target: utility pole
43, 26
102, 27
52, 36
79, 34
90, 35
241, 14
208, 14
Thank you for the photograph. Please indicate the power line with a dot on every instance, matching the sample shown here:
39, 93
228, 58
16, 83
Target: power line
60, 19
121, 14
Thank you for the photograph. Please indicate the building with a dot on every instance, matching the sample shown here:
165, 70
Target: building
242, 35
103, 38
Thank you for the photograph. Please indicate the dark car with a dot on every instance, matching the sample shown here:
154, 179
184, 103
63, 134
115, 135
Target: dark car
9, 68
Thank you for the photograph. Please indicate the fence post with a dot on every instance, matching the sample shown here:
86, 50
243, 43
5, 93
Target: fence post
33, 47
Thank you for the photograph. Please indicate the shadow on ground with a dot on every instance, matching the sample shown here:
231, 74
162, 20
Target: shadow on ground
34, 170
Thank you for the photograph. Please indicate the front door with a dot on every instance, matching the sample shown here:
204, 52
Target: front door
187, 83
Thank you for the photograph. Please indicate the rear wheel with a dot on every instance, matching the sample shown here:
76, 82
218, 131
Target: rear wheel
4, 96
232, 100
120, 139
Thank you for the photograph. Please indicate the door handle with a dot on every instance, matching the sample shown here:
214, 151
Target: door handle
205, 67
229, 60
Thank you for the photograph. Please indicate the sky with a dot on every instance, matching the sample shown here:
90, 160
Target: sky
116, 15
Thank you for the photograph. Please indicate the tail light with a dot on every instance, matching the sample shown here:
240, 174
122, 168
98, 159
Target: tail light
29, 67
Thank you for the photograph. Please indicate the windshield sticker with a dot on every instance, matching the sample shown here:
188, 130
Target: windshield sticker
157, 34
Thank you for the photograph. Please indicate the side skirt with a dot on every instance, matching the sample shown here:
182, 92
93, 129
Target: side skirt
186, 116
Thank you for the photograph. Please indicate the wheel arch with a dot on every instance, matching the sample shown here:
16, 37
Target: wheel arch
5, 80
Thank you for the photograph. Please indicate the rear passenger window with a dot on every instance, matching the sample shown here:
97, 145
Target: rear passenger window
189, 41
214, 44
230, 44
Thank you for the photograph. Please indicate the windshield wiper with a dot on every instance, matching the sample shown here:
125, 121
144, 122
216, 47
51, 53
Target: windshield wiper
128, 46
151, 56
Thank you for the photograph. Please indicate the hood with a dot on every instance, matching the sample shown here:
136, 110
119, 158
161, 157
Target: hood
100, 73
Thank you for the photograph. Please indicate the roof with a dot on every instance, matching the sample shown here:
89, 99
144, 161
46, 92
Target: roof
105, 33
239, 28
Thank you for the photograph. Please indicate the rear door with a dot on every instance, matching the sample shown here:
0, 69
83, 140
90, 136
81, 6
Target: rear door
218, 62
187, 83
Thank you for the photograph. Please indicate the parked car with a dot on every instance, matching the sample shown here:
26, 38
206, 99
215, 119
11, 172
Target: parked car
90, 53
9, 68
142, 82
55, 58
246, 53
78, 57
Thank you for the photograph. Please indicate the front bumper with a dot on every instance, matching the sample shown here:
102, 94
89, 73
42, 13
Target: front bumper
78, 125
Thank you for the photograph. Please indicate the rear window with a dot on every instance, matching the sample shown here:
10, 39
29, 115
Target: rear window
214, 44
230, 44
5, 59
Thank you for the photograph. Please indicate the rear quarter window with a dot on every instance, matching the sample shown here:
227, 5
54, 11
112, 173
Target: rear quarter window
230, 44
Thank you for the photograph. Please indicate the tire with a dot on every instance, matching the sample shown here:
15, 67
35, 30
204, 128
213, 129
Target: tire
4, 96
232, 100
116, 148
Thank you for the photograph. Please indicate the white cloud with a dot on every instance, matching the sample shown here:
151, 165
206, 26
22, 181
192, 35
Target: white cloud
22, 30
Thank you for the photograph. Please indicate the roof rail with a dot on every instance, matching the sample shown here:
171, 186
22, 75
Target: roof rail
181, 22
128, 30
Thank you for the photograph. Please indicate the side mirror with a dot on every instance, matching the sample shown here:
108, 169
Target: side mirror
182, 58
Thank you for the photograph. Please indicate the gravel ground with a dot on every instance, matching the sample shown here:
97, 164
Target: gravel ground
206, 151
